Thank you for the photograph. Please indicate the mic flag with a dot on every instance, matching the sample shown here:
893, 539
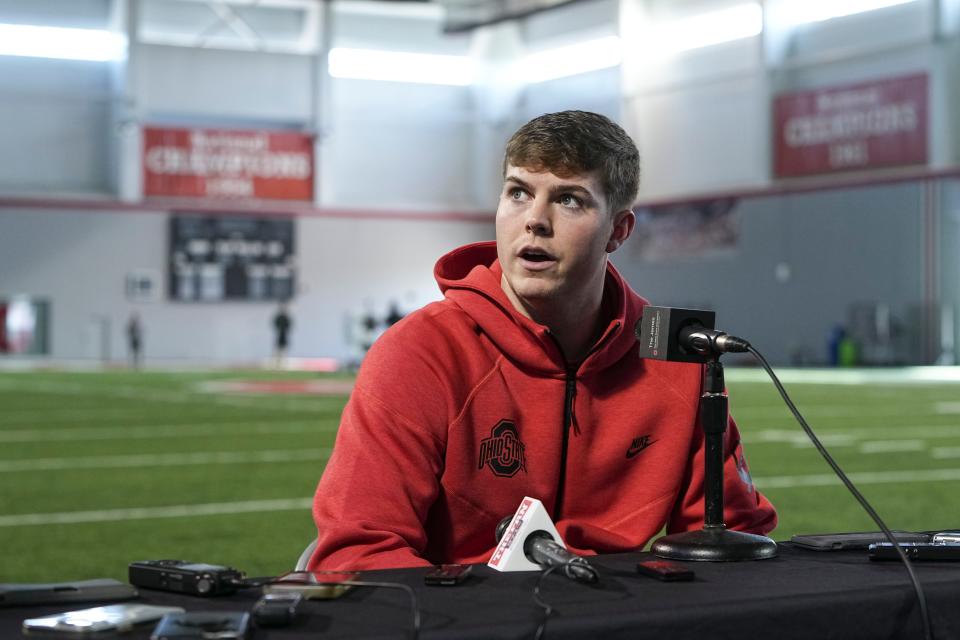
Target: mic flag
658, 332
531, 516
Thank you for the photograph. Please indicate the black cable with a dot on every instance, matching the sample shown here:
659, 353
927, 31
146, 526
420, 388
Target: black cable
414, 601
924, 613
252, 583
576, 569
547, 609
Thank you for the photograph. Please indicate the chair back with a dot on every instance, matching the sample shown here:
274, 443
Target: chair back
304, 558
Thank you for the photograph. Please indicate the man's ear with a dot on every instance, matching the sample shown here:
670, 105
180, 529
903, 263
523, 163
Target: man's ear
623, 224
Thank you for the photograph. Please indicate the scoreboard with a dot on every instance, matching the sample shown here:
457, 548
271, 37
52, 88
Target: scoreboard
231, 258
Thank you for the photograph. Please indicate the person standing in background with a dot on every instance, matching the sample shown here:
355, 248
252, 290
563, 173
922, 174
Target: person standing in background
134, 340
282, 324
393, 315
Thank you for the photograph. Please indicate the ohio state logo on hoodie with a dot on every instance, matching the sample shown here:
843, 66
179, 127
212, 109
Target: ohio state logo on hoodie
503, 451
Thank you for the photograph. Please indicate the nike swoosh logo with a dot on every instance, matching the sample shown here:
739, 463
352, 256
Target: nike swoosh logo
633, 451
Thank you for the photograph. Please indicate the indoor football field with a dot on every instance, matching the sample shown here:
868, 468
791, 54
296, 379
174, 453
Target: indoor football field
102, 468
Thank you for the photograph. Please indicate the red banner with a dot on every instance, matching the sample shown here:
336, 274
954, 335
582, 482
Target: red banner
856, 127
221, 163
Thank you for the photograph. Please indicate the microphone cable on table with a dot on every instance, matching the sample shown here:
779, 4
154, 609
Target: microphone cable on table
921, 598
414, 601
547, 608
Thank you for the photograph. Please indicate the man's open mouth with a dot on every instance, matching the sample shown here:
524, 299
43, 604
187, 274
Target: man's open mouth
536, 255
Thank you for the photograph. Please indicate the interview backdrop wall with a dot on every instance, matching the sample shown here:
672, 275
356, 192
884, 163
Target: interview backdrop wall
80, 262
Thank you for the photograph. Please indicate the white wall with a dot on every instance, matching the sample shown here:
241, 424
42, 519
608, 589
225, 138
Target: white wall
79, 261
231, 85
55, 116
398, 146
701, 119
386, 148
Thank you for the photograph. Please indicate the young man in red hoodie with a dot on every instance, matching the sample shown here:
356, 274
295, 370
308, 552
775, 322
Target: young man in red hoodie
525, 381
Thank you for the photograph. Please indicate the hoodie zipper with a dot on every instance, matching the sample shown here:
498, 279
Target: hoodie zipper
569, 418
570, 393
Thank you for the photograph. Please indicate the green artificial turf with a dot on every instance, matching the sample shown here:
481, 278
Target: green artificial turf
99, 445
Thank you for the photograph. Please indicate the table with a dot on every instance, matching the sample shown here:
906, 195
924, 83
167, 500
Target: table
800, 594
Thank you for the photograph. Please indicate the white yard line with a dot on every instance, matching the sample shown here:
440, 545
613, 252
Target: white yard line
163, 460
271, 403
296, 504
947, 407
146, 513
873, 411
941, 453
149, 432
798, 439
76, 414
892, 446
883, 375
852, 435
858, 478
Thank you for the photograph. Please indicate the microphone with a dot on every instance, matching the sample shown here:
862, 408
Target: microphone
540, 548
528, 541
710, 341
683, 335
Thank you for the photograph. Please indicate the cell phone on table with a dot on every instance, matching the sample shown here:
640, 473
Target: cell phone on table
665, 570
98, 590
313, 585
276, 609
915, 551
88, 622
448, 574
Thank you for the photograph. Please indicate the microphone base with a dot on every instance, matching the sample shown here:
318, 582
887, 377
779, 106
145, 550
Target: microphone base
715, 544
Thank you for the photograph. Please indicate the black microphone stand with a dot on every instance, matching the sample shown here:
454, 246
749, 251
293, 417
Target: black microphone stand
714, 543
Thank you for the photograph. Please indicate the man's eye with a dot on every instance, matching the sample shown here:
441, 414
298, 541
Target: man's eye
568, 200
516, 194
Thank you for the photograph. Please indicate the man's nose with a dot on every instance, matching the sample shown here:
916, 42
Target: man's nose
538, 220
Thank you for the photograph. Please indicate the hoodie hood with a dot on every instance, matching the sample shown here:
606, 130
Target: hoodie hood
470, 276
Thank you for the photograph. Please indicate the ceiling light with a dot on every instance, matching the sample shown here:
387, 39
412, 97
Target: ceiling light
61, 43
397, 66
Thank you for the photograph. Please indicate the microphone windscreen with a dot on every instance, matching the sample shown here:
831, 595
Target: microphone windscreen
502, 526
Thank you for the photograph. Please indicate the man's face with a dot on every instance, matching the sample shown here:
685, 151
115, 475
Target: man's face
553, 236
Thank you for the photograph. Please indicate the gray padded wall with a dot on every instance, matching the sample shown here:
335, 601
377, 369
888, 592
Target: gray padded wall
842, 246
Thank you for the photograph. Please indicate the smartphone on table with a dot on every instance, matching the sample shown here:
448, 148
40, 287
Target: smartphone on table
448, 575
313, 585
87, 622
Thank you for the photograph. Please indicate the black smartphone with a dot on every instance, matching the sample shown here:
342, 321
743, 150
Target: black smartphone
916, 551
848, 541
313, 585
664, 570
102, 589
448, 574
276, 609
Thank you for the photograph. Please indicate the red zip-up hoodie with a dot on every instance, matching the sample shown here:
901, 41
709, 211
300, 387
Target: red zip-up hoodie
466, 406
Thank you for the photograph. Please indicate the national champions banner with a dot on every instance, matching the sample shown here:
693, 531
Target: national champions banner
855, 127
227, 163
